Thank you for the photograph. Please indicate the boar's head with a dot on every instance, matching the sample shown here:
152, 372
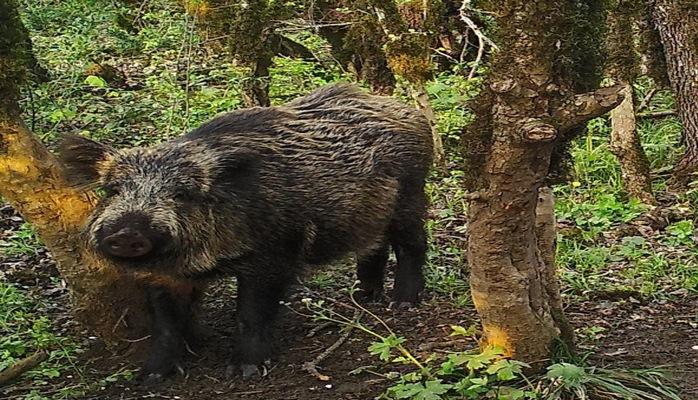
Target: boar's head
170, 208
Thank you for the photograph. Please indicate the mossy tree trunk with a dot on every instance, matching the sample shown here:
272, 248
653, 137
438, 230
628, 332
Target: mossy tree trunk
527, 108
255, 89
247, 31
104, 300
623, 65
625, 145
677, 22
410, 28
356, 38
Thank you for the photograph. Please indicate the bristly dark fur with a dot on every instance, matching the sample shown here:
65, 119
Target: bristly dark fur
260, 192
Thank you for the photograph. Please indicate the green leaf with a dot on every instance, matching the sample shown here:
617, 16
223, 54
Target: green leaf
383, 348
460, 331
507, 393
96, 81
506, 370
437, 387
407, 390
61, 114
570, 374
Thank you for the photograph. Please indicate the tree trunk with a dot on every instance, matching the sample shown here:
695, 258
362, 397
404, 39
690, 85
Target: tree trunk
103, 299
255, 89
421, 98
677, 22
511, 237
546, 233
625, 145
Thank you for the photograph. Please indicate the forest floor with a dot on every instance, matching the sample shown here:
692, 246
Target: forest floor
618, 329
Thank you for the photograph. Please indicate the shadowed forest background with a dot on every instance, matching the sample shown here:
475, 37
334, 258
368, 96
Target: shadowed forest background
132, 73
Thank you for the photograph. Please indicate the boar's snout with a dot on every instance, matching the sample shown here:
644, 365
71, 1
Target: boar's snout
133, 237
127, 243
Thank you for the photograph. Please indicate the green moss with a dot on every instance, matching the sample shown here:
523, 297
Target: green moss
386, 34
246, 25
650, 46
15, 51
623, 61
409, 56
476, 139
581, 31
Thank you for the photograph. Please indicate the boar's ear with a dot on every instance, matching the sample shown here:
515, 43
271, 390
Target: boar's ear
81, 159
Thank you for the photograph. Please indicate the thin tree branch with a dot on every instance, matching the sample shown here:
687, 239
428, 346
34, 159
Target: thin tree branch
482, 39
657, 114
646, 100
311, 366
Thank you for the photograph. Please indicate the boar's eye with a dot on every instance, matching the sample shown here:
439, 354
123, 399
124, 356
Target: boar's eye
107, 191
182, 195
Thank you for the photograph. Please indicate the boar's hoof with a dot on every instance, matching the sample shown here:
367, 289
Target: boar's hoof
370, 296
152, 379
402, 305
154, 376
250, 371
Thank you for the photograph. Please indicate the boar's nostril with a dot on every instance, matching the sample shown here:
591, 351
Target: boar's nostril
127, 243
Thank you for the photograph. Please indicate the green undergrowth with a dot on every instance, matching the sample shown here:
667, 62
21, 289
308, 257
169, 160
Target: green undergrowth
19, 242
25, 330
594, 254
482, 374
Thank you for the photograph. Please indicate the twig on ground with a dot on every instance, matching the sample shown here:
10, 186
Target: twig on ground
311, 366
122, 319
318, 328
646, 100
657, 114
440, 345
146, 337
26, 364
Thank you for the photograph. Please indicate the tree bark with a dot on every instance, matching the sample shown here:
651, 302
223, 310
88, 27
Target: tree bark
106, 301
546, 233
625, 145
511, 237
677, 22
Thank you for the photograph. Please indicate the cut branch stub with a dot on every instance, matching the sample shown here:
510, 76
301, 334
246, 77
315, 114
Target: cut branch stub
583, 107
536, 130
503, 86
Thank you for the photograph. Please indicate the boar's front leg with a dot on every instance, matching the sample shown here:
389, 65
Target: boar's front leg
257, 308
171, 314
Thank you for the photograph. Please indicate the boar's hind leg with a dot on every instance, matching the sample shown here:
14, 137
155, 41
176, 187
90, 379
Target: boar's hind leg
258, 305
408, 239
370, 272
171, 309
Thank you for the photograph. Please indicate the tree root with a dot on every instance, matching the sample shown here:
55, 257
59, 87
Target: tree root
22, 366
